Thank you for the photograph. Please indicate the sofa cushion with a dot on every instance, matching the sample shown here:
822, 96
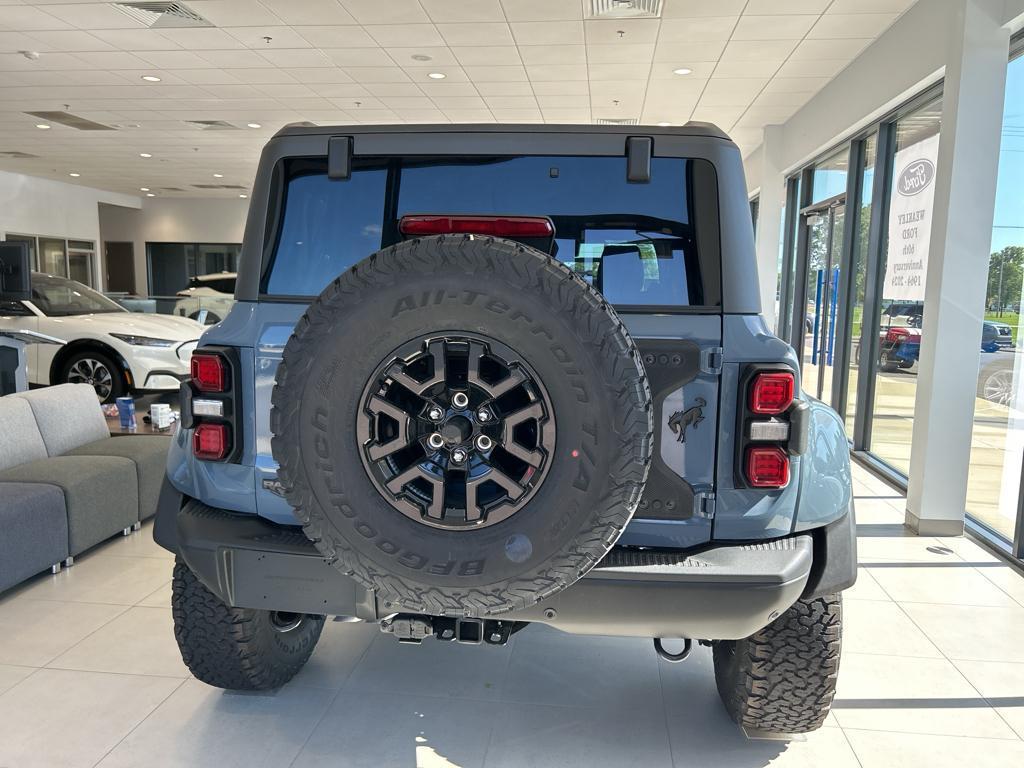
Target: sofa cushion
21, 439
68, 415
100, 493
148, 452
33, 530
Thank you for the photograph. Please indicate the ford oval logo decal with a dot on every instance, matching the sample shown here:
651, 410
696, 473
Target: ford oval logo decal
915, 177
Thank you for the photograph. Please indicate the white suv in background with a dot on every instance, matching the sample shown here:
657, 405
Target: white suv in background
114, 350
213, 294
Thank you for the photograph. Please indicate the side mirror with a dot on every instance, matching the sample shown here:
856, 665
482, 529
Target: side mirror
15, 272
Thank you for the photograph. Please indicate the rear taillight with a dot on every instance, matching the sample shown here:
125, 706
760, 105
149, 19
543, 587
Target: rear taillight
896, 335
209, 372
771, 393
211, 441
767, 467
496, 226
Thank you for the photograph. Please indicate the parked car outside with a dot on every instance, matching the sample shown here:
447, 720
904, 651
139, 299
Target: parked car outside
116, 351
208, 298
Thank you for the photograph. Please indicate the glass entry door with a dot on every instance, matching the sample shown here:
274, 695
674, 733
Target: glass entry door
824, 244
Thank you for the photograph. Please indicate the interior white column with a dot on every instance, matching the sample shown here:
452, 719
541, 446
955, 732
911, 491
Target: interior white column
957, 271
771, 200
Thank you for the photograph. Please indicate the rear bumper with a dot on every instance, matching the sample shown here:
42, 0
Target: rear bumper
721, 593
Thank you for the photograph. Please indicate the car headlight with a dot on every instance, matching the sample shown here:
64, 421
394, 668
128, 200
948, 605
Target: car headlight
143, 341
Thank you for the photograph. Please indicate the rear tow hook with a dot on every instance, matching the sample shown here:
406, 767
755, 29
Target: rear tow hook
673, 658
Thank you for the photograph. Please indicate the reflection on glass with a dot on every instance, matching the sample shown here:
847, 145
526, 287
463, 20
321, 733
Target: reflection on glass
80, 258
859, 272
903, 287
52, 257
997, 439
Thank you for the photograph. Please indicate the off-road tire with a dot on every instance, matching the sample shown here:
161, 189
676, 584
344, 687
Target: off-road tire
236, 648
782, 678
520, 297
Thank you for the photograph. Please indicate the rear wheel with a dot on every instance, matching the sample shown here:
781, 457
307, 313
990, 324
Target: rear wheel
782, 679
238, 648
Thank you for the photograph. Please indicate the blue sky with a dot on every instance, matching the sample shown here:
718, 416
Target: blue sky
1008, 226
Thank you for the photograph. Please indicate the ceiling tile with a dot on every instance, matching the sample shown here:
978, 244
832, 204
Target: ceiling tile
441, 88
301, 57
408, 102
452, 74
765, 115
723, 117
377, 74
782, 99
256, 37
234, 13
64, 16
636, 71
730, 92
566, 115
469, 115
758, 50
516, 115
635, 31
542, 10
511, 102
389, 12
337, 37
136, 39
567, 100
699, 30
676, 9
69, 41
699, 70
554, 54
309, 12
841, 25
870, 6
514, 87
476, 34
408, 35
340, 90
421, 116
241, 59
786, 27
487, 74
463, 10
207, 77
812, 68
206, 39
548, 32
319, 75
774, 7
795, 84
111, 60
746, 68
682, 54
285, 90
459, 102
484, 55
559, 72
359, 57
830, 49
173, 59
619, 53
439, 56
266, 76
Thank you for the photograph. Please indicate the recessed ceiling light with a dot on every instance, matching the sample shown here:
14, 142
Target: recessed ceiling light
243, 196
143, 189
144, 154
682, 71
421, 57
437, 75
151, 78
218, 175
74, 175
150, 194
254, 125
43, 127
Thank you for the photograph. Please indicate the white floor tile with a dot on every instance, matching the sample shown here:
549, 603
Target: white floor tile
948, 583
902, 548
1007, 579
10, 675
552, 667
159, 598
203, 727
881, 627
341, 647
138, 642
1002, 685
138, 544
879, 749
971, 632
866, 587
102, 578
65, 719
34, 632
372, 730
913, 695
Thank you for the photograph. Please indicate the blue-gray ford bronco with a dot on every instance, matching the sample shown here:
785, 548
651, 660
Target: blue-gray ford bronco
479, 377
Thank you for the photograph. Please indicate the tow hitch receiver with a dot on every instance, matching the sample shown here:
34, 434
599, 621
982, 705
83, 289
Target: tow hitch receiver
410, 628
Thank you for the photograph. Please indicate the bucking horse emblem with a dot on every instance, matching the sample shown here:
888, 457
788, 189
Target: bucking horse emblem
679, 421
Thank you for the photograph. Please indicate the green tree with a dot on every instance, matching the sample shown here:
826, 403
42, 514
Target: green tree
1005, 277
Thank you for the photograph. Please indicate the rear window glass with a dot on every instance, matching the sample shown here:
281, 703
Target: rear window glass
634, 242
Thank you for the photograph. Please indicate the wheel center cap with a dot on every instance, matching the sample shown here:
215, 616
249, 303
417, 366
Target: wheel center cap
456, 430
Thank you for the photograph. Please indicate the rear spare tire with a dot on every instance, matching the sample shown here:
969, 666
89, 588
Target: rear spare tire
462, 425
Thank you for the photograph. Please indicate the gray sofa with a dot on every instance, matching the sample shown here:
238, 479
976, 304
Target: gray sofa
66, 484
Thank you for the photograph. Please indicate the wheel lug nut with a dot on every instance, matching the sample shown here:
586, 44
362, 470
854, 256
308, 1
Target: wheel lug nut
435, 441
483, 415
435, 413
484, 443
460, 399
459, 455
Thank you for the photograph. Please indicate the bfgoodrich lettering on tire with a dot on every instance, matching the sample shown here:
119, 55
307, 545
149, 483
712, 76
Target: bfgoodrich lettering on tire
462, 425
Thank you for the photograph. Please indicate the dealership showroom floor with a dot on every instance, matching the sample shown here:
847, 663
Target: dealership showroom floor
447, 325
932, 674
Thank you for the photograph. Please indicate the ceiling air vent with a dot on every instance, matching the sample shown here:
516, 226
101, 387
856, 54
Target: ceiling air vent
71, 121
624, 9
14, 155
163, 15
213, 125
217, 186
616, 121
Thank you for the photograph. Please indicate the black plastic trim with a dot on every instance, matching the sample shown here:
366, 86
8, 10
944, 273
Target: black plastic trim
835, 557
339, 157
638, 159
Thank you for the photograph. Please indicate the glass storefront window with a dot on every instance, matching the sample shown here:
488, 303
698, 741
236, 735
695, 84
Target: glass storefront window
80, 257
53, 256
997, 444
901, 307
859, 274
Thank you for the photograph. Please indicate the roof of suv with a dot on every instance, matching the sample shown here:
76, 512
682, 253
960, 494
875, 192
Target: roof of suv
708, 130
